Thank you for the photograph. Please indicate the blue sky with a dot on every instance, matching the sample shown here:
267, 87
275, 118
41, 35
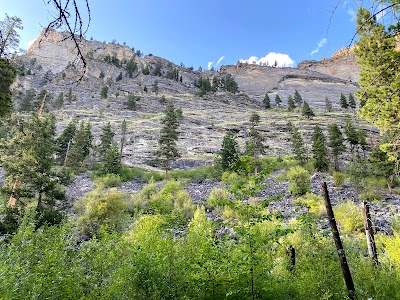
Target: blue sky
204, 33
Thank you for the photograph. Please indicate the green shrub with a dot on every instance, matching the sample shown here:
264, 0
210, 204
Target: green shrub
109, 180
314, 202
128, 173
300, 182
138, 202
338, 179
371, 193
101, 208
349, 217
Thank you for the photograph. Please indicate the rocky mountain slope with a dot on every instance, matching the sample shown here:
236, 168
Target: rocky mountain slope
51, 64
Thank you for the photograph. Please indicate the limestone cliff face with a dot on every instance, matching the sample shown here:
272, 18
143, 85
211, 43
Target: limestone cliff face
342, 64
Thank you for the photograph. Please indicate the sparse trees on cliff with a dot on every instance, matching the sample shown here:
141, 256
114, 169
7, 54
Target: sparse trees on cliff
267, 102
307, 111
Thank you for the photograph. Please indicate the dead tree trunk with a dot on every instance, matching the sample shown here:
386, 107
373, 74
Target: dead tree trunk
369, 233
338, 242
66, 154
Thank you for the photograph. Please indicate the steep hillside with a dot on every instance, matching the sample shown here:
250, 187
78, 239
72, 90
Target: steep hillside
51, 64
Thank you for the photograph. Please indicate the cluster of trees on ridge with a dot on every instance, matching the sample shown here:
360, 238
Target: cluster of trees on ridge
172, 249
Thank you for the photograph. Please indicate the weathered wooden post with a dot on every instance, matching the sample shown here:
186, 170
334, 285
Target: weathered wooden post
369, 233
338, 242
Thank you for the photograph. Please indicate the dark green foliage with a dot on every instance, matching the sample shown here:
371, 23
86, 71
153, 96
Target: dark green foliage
343, 101
254, 143
7, 76
299, 149
27, 155
320, 155
154, 87
146, 70
111, 160
335, 143
204, 85
145, 89
112, 59
172, 73
297, 98
352, 136
163, 100
101, 76
28, 100
80, 147
131, 103
59, 101
106, 140
157, 69
382, 165
229, 83
168, 150
69, 95
328, 105
291, 105
104, 92
278, 100
266, 102
215, 84
65, 139
131, 67
352, 101
119, 77
42, 99
229, 153
306, 111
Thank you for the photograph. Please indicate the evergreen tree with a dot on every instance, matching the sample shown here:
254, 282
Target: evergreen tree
278, 100
123, 139
383, 166
352, 136
119, 77
215, 84
335, 143
291, 105
69, 96
168, 150
104, 92
229, 153
146, 70
163, 100
298, 146
131, 104
328, 105
254, 144
204, 85
319, 151
154, 87
106, 140
80, 147
307, 111
297, 98
64, 141
101, 76
145, 89
230, 84
27, 156
7, 76
352, 101
59, 101
343, 101
111, 160
267, 102
157, 70
27, 101
131, 67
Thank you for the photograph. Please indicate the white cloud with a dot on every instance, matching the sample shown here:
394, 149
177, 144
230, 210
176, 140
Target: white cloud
31, 42
219, 60
353, 14
321, 44
209, 65
271, 59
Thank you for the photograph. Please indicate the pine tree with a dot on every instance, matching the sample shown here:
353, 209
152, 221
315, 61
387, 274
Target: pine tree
168, 150
101, 75
291, 105
104, 92
27, 101
297, 98
69, 96
328, 105
319, 151
119, 77
106, 139
154, 87
145, 89
335, 143
131, 67
298, 146
254, 144
111, 160
7, 76
27, 155
267, 102
383, 166
229, 153
64, 141
307, 111
343, 101
59, 101
278, 100
352, 101
123, 139
131, 104
146, 70
352, 136
80, 147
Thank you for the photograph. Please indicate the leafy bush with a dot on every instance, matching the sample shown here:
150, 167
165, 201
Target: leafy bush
300, 182
314, 202
349, 217
338, 179
109, 180
371, 193
128, 173
101, 208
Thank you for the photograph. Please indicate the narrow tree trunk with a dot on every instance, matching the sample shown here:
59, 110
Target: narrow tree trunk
66, 154
292, 257
369, 233
166, 169
388, 183
338, 242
